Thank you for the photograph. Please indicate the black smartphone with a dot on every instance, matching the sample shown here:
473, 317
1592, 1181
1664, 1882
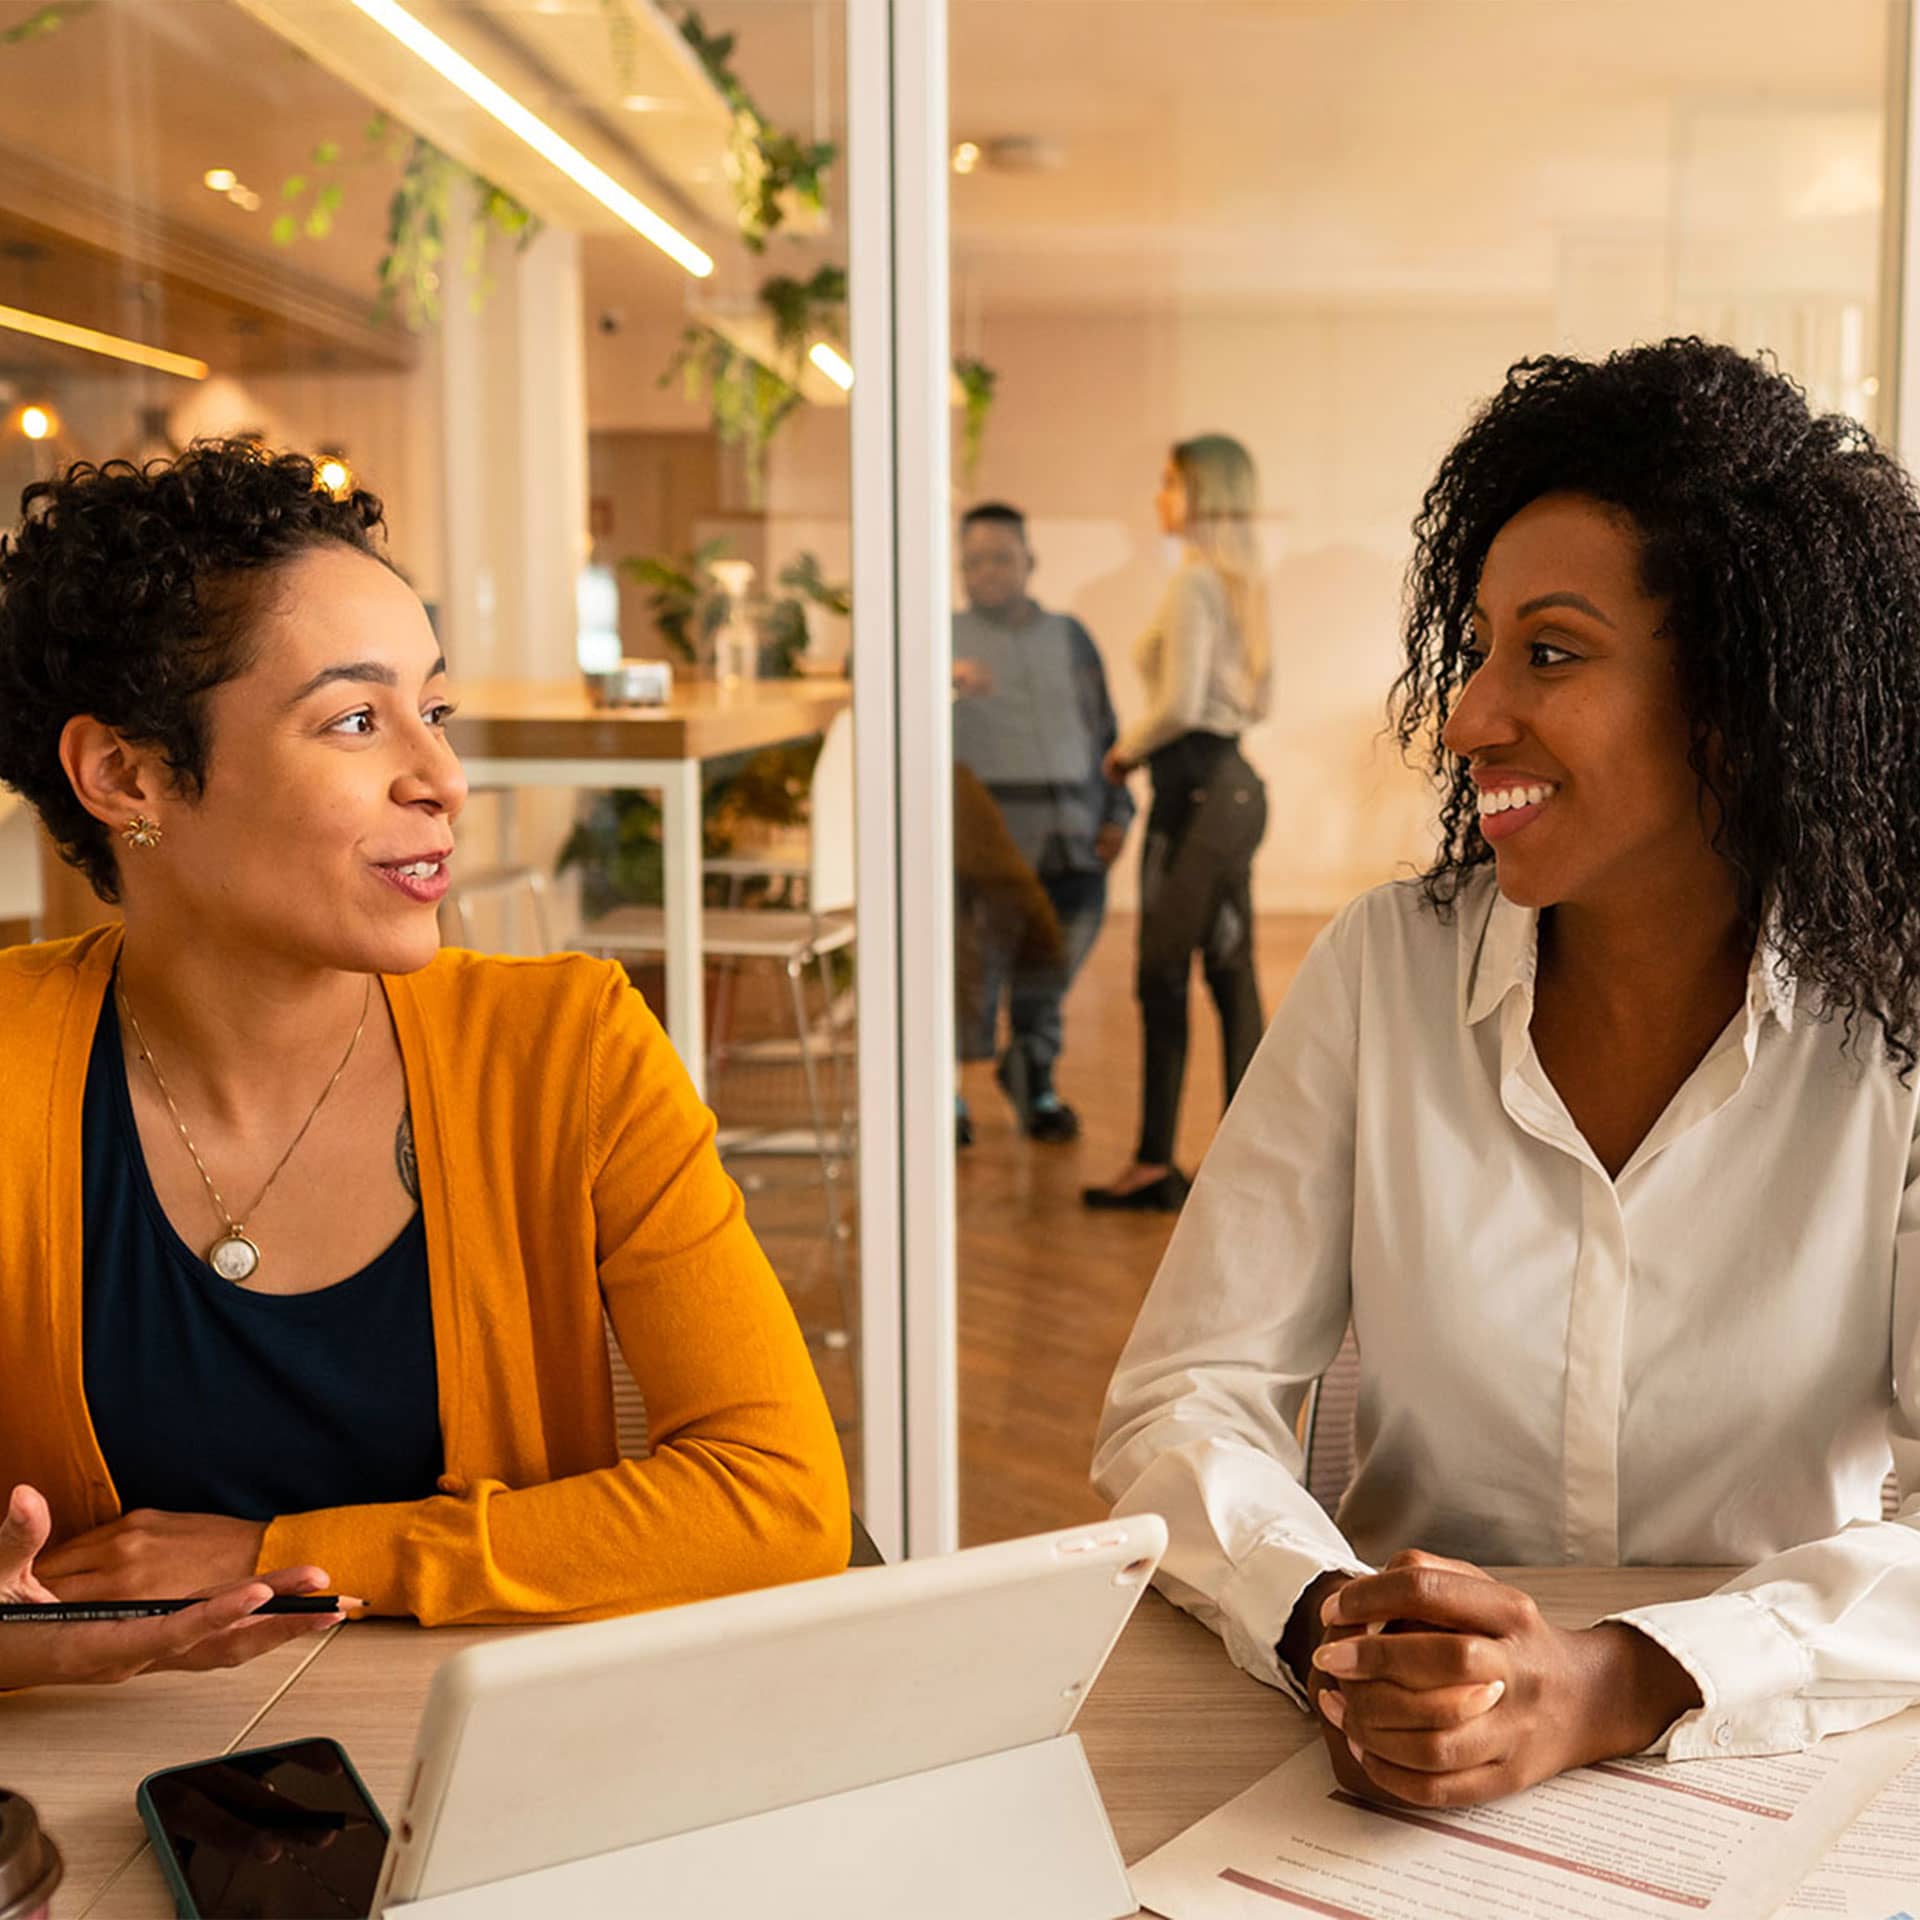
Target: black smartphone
275, 1833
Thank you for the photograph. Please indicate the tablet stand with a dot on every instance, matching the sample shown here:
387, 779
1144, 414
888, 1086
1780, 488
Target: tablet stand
1016, 1835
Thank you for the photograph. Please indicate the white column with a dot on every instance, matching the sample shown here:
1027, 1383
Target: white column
513, 430
897, 155
1899, 418
550, 384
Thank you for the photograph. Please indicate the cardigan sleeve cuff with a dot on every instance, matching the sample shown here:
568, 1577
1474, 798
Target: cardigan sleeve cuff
1749, 1670
357, 1547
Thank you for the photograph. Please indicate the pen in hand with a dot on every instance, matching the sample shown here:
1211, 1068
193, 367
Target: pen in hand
46, 1613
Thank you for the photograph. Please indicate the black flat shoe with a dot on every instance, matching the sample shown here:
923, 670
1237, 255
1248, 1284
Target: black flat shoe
1157, 1196
1054, 1124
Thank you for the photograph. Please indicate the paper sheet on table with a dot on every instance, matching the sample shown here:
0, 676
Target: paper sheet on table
1873, 1869
1629, 1840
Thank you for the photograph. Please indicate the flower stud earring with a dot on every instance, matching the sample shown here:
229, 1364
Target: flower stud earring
141, 832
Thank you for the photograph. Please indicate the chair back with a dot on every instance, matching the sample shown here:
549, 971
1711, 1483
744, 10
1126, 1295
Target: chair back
1329, 1439
629, 1407
830, 880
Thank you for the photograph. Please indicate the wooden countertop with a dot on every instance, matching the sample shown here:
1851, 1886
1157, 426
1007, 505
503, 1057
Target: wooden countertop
557, 719
1172, 1729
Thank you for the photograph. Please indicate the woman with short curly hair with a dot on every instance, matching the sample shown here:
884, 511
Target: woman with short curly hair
309, 1231
1602, 1133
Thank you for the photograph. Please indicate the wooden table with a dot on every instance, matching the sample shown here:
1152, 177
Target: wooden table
540, 733
1172, 1729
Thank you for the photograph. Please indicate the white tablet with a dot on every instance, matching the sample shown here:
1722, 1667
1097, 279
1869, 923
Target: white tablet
573, 1743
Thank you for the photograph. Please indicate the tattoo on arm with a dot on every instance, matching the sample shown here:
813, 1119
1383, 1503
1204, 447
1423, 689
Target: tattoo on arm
404, 1157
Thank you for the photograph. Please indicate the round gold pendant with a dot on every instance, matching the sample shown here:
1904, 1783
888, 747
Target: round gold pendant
234, 1257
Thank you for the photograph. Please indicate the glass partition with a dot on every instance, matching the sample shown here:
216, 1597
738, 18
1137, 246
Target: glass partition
1324, 231
566, 285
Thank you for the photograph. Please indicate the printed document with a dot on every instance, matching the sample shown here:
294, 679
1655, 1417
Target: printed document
1873, 1870
1625, 1840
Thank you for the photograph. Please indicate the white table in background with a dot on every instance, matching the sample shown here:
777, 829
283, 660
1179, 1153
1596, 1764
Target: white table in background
542, 733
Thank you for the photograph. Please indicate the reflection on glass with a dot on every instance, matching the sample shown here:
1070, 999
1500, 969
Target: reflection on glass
1037, 822
223, 220
1326, 231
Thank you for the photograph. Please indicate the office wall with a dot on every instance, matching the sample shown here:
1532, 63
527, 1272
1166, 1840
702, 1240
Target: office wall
1346, 413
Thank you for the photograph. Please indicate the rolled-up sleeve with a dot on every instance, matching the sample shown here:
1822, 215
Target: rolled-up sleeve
1248, 1309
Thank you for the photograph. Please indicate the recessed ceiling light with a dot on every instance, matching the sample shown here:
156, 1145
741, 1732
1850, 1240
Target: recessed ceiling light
966, 156
335, 474
647, 103
38, 423
220, 179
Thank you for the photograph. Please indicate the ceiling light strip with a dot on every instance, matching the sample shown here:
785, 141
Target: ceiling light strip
495, 99
64, 333
834, 365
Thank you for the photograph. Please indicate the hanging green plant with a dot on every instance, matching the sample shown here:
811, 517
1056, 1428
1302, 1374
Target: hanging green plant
748, 402
42, 22
804, 311
418, 217
321, 191
977, 384
417, 223
770, 171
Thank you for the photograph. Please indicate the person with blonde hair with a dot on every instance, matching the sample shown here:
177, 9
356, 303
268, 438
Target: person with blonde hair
1207, 664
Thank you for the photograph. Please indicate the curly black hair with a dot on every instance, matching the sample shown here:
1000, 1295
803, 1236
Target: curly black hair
125, 593
1786, 546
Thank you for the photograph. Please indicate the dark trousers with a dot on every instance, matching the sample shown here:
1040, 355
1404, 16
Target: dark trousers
1034, 989
1196, 896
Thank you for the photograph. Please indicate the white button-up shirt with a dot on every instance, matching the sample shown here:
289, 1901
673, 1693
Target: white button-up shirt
1705, 1361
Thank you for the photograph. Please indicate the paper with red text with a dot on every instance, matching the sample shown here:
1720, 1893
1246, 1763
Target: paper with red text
1872, 1872
1628, 1840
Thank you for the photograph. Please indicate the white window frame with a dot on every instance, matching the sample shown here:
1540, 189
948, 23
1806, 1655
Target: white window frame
902, 669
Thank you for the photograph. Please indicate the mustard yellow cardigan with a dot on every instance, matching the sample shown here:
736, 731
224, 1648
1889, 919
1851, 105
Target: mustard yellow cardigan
565, 1161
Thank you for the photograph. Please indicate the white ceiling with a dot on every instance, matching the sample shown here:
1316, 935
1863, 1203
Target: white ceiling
1245, 152
1250, 153
1338, 150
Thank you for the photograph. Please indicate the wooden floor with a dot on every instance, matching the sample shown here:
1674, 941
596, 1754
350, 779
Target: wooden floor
1048, 1290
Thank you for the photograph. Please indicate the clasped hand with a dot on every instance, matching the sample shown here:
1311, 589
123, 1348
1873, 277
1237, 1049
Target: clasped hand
1440, 1686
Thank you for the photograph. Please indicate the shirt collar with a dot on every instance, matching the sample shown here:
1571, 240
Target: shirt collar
1500, 951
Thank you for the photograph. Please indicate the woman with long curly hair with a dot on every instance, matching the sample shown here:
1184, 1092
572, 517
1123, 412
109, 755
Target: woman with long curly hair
1602, 1133
309, 1231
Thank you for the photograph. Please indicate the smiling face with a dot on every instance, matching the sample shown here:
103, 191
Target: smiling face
1572, 721
326, 823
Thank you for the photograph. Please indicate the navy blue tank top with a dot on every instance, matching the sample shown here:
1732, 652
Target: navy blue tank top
209, 1399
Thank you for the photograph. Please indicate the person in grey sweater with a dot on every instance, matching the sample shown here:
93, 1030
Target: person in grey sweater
1032, 720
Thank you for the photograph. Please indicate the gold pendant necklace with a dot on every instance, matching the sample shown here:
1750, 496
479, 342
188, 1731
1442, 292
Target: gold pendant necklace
235, 1256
